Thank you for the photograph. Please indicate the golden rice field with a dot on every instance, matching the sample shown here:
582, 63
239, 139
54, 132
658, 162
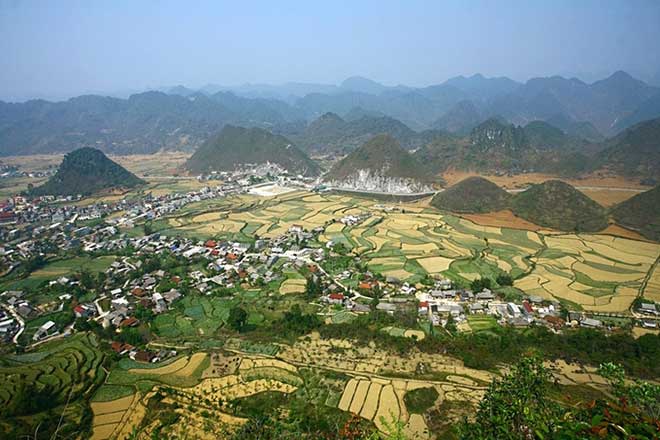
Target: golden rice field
109, 415
597, 272
381, 400
292, 286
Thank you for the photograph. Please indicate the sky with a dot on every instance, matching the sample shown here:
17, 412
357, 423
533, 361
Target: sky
57, 49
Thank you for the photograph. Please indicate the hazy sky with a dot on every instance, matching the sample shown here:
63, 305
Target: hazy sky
62, 48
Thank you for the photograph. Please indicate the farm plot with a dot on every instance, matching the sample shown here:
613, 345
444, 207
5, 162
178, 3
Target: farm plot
108, 415
597, 273
339, 354
382, 400
59, 268
652, 289
184, 371
67, 368
293, 286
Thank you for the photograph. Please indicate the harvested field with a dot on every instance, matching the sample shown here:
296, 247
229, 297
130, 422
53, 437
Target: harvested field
523, 180
609, 197
371, 402
192, 365
652, 289
293, 286
347, 395
388, 407
435, 264
359, 396
112, 406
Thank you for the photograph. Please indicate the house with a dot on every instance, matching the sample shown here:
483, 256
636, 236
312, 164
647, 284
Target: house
129, 322
484, 295
386, 307
591, 323
160, 305
648, 308
423, 307
144, 356
84, 311
513, 309
45, 330
554, 322
172, 296
476, 308
336, 298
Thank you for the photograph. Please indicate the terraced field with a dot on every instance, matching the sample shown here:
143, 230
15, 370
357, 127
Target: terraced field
602, 273
68, 371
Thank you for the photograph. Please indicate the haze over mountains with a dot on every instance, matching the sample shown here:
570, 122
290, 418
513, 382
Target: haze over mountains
183, 118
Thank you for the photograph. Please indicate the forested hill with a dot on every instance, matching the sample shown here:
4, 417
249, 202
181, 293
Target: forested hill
86, 171
238, 146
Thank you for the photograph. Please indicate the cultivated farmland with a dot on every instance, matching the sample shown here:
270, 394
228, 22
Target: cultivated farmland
601, 273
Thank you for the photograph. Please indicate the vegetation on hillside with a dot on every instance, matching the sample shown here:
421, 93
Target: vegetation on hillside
634, 153
555, 204
472, 195
86, 171
382, 154
523, 404
237, 146
641, 213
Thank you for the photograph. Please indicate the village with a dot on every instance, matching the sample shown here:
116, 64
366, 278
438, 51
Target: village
133, 288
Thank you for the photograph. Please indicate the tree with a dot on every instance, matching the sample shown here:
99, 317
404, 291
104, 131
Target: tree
148, 228
237, 318
515, 406
480, 284
643, 395
520, 406
87, 279
450, 326
313, 287
504, 279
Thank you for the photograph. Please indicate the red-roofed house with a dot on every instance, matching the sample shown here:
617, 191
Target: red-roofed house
336, 298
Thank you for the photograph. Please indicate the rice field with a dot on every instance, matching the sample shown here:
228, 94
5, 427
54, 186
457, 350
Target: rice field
601, 273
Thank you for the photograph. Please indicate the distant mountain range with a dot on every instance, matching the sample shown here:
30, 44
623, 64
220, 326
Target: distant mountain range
182, 118
87, 171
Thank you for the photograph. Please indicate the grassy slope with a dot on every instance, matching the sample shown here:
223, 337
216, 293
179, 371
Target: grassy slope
87, 171
236, 146
472, 195
558, 205
641, 213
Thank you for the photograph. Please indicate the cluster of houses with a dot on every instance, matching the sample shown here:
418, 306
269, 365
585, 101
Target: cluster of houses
140, 355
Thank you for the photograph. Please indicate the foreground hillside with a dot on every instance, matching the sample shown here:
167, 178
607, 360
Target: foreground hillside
235, 147
379, 165
86, 171
641, 213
